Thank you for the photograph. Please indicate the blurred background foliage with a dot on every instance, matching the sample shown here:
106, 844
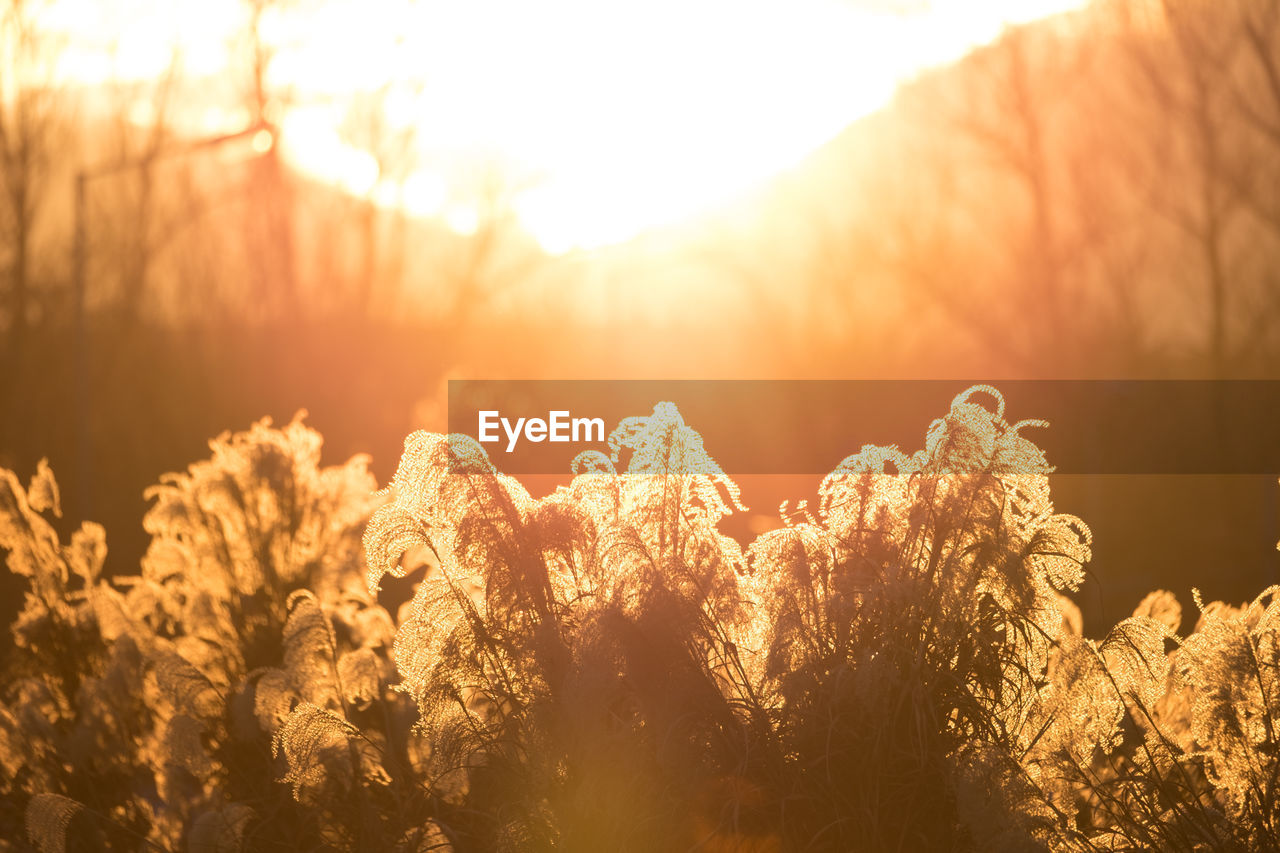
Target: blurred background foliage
1089, 195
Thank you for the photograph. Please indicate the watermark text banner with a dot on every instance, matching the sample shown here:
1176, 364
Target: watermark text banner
808, 427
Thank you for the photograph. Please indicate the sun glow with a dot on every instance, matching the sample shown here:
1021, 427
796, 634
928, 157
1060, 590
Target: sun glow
603, 119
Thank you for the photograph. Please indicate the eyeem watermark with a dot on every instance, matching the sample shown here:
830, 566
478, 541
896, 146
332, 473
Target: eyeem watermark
559, 426
803, 427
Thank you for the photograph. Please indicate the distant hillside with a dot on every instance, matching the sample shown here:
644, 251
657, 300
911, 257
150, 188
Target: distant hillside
1088, 195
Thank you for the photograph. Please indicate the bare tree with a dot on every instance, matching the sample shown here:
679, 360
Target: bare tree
143, 138
495, 257
271, 231
1089, 183
1180, 151
394, 151
1255, 98
30, 119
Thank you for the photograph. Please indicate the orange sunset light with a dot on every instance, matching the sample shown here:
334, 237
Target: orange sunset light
602, 118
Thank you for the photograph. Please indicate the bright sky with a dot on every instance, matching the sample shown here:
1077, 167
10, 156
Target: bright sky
606, 117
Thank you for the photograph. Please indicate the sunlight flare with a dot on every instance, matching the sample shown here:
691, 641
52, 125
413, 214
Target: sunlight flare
605, 118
